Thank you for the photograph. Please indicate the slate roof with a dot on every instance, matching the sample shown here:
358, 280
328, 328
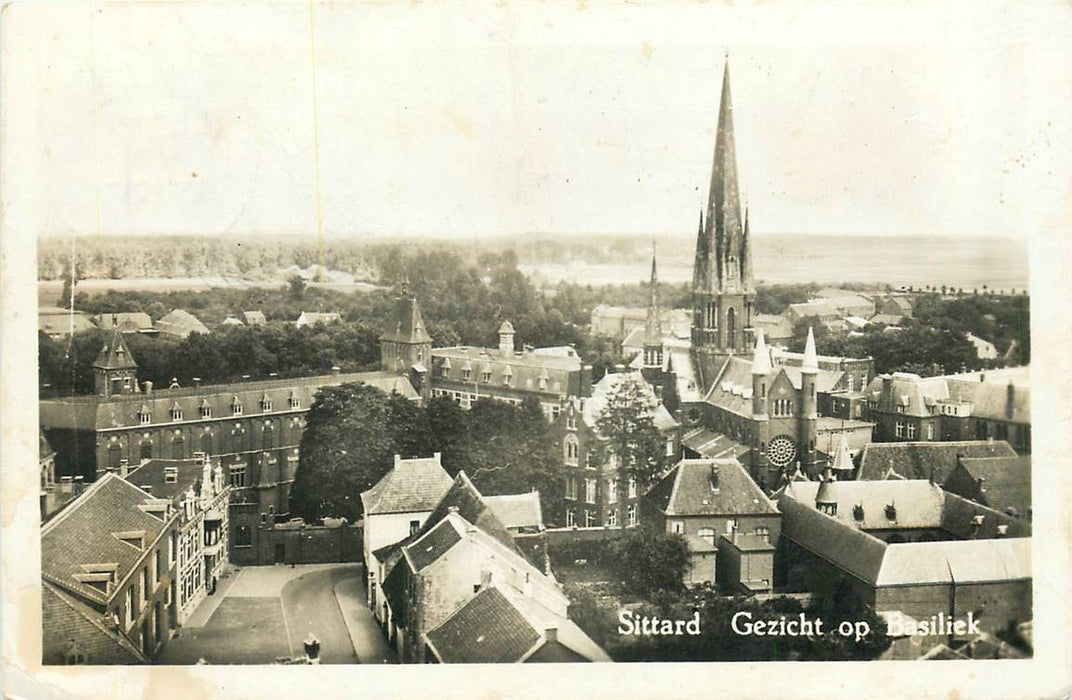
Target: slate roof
412, 486
990, 400
732, 388
707, 443
525, 369
487, 629
429, 547
406, 324
853, 550
914, 460
94, 412
917, 503
115, 354
687, 490
180, 323
970, 520
151, 474
602, 390
1006, 482
64, 616
517, 511
83, 533
917, 396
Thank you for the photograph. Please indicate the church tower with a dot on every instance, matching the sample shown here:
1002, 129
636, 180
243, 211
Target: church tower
723, 288
406, 347
653, 325
114, 370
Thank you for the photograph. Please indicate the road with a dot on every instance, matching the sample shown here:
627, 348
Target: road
309, 605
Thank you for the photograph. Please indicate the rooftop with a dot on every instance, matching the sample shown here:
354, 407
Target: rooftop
412, 485
916, 460
709, 487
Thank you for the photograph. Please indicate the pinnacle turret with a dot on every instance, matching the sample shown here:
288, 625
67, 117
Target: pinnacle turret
810, 363
761, 363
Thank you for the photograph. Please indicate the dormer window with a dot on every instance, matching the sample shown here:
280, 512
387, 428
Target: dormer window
266, 403
891, 512
571, 421
508, 377
858, 512
171, 475
444, 369
175, 412
205, 409
487, 375
543, 380
236, 406
145, 415
133, 538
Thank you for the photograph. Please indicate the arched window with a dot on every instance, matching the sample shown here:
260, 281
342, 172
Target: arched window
177, 447
572, 448
115, 454
731, 324
206, 443
268, 437
145, 450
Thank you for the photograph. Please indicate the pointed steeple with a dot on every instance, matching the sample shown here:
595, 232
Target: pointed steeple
842, 459
653, 331
810, 363
115, 354
747, 276
723, 203
701, 267
761, 363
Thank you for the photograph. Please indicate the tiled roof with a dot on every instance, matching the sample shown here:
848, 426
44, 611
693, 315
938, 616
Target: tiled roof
56, 321
412, 485
181, 323
915, 460
121, 410
487, 629
853, 550
970, 520
126, 321
688, 490
516, 511
1006, 482
65, 618
527, 369
732, 389
84, 534
188, 475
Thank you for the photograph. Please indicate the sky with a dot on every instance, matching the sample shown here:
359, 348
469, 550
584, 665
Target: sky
470, 119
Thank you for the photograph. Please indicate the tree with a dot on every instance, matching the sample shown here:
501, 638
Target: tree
297, 287
627, 425
649, 561
351, 436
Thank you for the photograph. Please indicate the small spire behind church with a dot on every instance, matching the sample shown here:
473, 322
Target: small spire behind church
810, 363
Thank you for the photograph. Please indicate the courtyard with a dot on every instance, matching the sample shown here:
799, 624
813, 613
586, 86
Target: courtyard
262, 614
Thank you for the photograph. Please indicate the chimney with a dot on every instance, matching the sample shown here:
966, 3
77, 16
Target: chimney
713, 477
335, 369
196, 381
438, 456
1010, 401
148, 387
506, 339
551, 634
78, 485
398, 460
124, 468
66, 484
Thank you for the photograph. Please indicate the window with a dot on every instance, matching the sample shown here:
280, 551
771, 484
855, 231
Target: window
294, 401
911, 431
543, 383
236, 407
266, 404
631, 515
414, 525
205, 410
632, 487
612, 517
707, 534
571, 519
243, 536
762, 531
571, 421
145, 450
486, 377
612, 490
899, 429
670, 447
731, 525
145, 415
590, 490
177, 447
176, 413
783, 407
677, 527
852, 382
238, 476
172, 549
930, 431
572, 448
466, 373
900, 408
589, 518
508, 377
132, 612
145, 591
157, 560
571, 487
555, 410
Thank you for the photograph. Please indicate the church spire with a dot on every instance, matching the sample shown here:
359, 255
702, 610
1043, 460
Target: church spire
653, 328
747, 277
723, 231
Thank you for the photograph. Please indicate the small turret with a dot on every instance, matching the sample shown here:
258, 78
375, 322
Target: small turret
761, 369
843, 459
810, 363
506, 339
826, 494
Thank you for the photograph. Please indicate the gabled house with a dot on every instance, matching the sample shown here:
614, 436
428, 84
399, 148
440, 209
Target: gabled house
1002, 483
180, 324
